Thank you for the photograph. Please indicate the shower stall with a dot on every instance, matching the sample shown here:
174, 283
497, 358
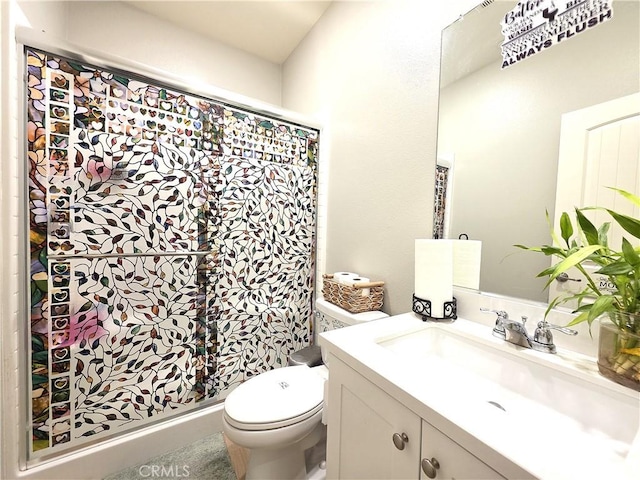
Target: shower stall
172, 242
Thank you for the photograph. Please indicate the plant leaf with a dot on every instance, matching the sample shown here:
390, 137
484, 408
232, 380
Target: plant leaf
572, 260
547, 271
604, 303
615, 268
631, 351
546, 249
566, 228
554, 237
603, 232
579, 319
589, 230
630, 224
629, 253
629, 196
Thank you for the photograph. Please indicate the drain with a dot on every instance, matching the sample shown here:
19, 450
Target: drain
497, 405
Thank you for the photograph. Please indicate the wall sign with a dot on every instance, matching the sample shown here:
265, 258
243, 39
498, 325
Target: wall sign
535, 25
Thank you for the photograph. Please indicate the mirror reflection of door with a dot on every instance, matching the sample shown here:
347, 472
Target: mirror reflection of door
599, 148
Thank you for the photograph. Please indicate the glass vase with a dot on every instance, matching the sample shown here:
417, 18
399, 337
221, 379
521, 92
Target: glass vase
619, 349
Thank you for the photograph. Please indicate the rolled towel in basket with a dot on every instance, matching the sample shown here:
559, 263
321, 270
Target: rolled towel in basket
354, 280
342, 277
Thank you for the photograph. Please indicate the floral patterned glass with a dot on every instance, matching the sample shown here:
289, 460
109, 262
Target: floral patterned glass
440, 201
172, 249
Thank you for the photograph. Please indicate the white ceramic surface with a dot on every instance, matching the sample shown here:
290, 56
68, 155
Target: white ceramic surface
559, 418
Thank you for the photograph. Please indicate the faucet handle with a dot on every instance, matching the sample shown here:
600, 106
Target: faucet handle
565, 330
543, 338
498, 329
502, 315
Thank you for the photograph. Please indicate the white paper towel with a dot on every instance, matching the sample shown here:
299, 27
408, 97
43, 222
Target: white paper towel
354, 280
342, 277
466, 263
434, 273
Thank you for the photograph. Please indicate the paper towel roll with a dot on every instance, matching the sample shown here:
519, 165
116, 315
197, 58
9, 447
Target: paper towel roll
354, 280
466, 263
341, 277
434, 273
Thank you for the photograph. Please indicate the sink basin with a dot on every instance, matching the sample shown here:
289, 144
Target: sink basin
559, 398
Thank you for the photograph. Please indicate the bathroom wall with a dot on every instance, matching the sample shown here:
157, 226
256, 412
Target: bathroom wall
117, 31
187, 53
115, 28
369, 72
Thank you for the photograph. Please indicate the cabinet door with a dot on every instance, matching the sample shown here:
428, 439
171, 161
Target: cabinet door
453, 462
362, 421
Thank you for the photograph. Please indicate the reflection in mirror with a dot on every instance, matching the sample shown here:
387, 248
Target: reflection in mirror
499, 132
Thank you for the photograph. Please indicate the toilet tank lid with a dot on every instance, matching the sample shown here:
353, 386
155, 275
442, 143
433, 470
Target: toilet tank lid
344, 316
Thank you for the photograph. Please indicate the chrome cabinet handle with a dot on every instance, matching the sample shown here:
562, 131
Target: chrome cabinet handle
430, 467
399, 440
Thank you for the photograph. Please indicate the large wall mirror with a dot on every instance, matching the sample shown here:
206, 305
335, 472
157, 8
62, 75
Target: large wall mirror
499, 131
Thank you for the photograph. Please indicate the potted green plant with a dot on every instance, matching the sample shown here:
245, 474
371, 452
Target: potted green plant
617, 307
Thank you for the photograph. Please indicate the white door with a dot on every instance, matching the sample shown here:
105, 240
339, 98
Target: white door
599, 148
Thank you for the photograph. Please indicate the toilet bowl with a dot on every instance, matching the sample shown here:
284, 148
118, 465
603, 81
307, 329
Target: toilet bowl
278, 414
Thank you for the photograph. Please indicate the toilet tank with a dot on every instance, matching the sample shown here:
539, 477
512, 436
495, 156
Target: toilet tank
330, 316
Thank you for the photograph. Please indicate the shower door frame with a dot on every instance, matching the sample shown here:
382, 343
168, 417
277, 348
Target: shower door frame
28, 38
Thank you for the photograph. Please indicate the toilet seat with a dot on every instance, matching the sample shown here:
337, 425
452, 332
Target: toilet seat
275, 399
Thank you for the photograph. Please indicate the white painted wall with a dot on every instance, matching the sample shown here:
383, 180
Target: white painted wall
369, 72
116, 28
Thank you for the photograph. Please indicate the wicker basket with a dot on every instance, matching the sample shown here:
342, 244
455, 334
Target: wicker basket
350, 297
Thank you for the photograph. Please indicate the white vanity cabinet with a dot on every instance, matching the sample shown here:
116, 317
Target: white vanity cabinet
481, 407
362, 421
371, 436
442, 458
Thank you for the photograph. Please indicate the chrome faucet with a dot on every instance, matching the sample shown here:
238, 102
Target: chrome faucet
516, 332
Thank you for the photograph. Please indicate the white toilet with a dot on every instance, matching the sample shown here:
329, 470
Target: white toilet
278, 414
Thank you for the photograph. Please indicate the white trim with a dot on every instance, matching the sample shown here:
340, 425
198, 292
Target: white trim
11, 250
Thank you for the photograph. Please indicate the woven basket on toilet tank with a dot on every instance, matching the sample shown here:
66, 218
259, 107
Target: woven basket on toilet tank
356, 298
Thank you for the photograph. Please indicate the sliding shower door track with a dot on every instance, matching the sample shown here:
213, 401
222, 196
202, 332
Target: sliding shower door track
116, 255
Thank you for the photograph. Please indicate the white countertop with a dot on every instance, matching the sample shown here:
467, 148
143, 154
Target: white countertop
554, 447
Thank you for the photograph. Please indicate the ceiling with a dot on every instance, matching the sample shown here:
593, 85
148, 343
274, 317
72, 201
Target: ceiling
269, 29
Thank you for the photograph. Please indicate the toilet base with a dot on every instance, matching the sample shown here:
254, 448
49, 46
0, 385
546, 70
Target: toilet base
290, 462
276, 464
316, 460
